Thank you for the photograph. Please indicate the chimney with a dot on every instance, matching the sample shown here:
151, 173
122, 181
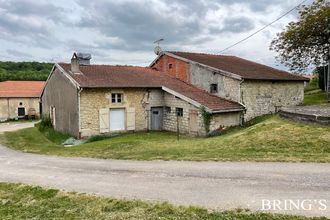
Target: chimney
79, 59
74, 63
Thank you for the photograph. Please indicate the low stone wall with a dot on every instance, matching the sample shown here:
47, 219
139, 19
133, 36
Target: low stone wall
307, 114
228, 119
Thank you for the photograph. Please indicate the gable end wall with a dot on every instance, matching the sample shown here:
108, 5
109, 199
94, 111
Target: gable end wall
180, 69
63, 95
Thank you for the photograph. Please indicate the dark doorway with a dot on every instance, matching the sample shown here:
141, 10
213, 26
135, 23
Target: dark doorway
157, 118
21, 111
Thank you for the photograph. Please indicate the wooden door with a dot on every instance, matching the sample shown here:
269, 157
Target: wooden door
193, 121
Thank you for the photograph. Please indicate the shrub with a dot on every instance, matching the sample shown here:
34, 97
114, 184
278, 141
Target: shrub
45, 122
206, 119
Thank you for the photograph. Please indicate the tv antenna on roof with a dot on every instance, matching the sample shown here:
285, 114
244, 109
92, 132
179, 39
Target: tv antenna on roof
158, 49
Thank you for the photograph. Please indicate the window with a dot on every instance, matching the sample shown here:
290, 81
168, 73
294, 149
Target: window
167, 109
170, 65
21, 103
179, 112
116, 98
214, 88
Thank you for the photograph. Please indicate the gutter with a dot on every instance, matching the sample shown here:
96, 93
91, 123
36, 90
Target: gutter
227, 110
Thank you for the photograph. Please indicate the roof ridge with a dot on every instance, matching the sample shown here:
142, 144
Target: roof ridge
112, 65
201, 53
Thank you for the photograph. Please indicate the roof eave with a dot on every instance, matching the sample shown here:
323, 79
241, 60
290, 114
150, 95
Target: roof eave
227, 110
292, 80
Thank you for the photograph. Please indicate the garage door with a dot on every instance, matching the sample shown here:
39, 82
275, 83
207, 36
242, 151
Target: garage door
117, 119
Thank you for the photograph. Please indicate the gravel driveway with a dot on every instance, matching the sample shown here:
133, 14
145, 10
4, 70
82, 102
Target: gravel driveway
222, 185
12, 126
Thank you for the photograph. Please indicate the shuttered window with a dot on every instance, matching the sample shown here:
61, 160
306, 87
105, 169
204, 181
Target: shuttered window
130, 117
104, 120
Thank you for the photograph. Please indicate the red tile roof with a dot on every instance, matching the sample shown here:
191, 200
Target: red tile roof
21, 89
242, 67
109, 76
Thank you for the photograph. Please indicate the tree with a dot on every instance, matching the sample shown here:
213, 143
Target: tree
305, 42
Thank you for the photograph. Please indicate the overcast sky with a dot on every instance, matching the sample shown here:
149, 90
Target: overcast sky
122, 32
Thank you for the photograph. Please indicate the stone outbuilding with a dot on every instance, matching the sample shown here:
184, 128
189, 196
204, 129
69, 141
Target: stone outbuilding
20, 99
259, 88
84, 99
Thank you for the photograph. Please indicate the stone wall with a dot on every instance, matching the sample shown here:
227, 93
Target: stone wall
63, 95
170, 118
265, 97
92, 100
227, 87
227, 119
9, 107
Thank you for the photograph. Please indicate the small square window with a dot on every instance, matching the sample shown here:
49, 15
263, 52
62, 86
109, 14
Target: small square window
214, 88
167, 109
116, 98
179, 112
170, 65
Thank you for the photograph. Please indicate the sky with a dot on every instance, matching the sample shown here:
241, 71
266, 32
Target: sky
123, 31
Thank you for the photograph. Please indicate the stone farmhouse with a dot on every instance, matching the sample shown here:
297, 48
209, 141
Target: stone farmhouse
83, 99
259, 88
20, 99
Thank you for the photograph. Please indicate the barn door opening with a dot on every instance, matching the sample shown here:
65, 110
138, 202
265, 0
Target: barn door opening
117, 119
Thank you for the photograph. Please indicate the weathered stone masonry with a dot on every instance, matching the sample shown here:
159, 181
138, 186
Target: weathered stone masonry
92, 100
265, 97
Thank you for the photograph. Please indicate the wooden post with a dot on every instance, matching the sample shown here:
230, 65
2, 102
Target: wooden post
177, 126
328, 78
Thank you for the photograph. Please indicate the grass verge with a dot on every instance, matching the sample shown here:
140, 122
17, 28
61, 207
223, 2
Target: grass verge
315, 97
29, 202
270, 139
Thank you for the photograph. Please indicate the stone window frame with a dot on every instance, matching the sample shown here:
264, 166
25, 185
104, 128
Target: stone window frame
179, 112
170, 66
117, 97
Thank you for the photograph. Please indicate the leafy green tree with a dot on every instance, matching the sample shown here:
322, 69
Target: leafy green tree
24, 70
307, 41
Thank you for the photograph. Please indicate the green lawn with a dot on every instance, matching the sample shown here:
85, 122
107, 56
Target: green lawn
315, 97
270, 139
28, 202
